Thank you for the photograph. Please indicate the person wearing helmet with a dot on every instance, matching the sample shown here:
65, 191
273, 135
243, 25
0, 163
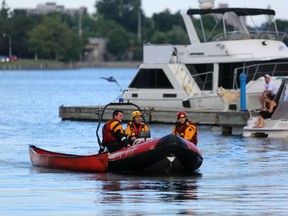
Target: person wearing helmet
114, 137
185, 128
135, 126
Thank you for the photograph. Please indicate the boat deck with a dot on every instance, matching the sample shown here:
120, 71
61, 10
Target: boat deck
226, 120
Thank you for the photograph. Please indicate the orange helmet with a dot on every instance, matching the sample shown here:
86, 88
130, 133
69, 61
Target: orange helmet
136, 113
181, 115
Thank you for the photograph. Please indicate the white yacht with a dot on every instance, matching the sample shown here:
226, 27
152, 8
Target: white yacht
221, 47
277, 125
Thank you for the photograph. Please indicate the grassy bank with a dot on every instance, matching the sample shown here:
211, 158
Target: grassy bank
28, 64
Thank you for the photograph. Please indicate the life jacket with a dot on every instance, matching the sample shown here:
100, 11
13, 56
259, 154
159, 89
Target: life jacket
108, 133
180, 130
134, 129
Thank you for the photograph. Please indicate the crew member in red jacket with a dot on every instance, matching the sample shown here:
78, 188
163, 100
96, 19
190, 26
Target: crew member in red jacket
114, 137
185, 128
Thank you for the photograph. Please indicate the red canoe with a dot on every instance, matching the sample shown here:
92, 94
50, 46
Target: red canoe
85, 163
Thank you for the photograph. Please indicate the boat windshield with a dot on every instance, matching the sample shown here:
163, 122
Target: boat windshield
281, 111
235, 24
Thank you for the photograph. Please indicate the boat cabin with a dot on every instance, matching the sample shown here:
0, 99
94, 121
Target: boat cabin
223, 44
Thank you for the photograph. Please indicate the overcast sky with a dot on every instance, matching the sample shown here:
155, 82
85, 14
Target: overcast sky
155, 6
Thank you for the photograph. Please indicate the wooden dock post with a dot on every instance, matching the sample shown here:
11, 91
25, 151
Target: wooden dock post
227, 130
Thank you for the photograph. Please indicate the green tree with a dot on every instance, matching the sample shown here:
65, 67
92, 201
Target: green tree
54, 39
177, 35
118, 42
104, 26
5, 10
89, 25
5, 27
123, 12
159, 37
21, 25
165, 21
147, 29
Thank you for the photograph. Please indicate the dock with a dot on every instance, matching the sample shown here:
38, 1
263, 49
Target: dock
227, 120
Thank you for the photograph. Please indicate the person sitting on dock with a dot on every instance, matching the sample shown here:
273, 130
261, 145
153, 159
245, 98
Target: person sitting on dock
136, 126
269, 87
114, 137
185, 128
264, 114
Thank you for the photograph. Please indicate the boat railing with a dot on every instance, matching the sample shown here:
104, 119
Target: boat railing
237, 35
256, 71
204, 80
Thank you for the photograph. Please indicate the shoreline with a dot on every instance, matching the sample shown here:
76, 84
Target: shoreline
60, 65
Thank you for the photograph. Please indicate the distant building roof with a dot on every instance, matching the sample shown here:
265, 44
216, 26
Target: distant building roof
50, 7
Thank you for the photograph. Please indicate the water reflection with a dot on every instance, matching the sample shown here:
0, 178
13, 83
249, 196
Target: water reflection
139, 189
135, 189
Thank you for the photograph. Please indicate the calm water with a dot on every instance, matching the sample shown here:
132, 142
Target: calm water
239, 176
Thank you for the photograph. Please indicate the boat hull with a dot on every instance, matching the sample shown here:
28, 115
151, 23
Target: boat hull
170, 153
271, 129
86, 163
265, 132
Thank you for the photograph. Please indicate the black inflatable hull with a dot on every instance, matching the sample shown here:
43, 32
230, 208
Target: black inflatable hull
170, 154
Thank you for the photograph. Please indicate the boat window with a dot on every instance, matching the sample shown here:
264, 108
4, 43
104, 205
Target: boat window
151, 78
255, 70
202, 74
226, 75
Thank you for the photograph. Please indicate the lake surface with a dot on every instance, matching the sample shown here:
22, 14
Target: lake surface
239, 176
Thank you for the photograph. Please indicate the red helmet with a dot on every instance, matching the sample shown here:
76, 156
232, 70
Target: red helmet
181, 115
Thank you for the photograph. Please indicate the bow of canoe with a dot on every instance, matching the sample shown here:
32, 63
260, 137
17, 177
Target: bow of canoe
86, 163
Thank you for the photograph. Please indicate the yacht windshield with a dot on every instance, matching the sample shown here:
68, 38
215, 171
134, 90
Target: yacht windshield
235, 24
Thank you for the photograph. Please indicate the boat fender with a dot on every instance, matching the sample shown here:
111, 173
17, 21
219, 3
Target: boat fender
187, 89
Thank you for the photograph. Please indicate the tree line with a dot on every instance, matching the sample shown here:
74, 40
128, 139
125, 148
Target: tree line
122, 24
